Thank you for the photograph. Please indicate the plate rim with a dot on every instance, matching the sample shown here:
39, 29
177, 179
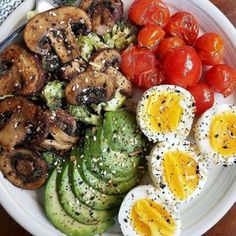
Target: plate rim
213, 216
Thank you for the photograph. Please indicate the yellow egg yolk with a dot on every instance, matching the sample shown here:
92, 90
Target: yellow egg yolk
180, 173
151, 219
162, 112
223, 134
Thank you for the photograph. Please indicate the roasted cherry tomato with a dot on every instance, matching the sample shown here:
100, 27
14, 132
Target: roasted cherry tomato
150, 36
183, 67
143, 12
141, 66
204, 97
185, 26
210, 48
222, 79
167, 46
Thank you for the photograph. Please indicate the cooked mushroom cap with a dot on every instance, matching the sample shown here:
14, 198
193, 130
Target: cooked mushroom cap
22, 72
57, 29
115, 7
102, 20
24, 168
90, 87
106, 58
62, 129
21, 120
72, 69
108, 61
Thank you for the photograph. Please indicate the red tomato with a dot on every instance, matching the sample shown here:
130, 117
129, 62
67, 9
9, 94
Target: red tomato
183, 67
222, 79
185, 26
143, 12
204, 97
210, 48
150, 36
167, 46
141, 66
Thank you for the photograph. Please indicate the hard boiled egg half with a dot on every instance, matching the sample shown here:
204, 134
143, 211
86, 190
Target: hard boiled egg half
166, 112
178, 170
215, 134
144, 213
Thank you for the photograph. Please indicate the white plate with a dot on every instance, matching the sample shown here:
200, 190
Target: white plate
198, 215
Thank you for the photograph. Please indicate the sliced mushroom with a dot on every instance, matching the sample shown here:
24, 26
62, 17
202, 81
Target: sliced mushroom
22, 73
72, 69
21, 120
62, 131
24, 168
90, 87
108, 61
102, 20
115, 7
57, 29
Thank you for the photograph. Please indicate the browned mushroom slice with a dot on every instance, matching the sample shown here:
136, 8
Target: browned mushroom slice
57, 29
90, 87
102, 20
62, 129
72, 69
116, 8
24, 74
21, 120
24, 168
86, 4
108, 61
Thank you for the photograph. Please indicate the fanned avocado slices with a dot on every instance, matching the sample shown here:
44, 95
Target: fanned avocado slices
61, 220
74, 207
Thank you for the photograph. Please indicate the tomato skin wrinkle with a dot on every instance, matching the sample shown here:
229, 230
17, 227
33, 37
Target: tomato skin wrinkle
185, 26
210, 48
141, 67
144, 12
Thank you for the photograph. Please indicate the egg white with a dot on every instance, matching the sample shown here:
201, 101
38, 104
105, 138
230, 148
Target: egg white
185, 124
202, 130
156, 169
138, 193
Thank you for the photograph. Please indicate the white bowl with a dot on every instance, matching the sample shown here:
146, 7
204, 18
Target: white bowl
198, 215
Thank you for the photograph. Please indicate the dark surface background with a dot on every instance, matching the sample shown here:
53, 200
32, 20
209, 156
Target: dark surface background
226, 226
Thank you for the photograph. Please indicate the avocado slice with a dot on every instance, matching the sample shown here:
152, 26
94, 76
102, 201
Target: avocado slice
106, 163
121, 131
106, 187
91, 196
61, 220
74, 207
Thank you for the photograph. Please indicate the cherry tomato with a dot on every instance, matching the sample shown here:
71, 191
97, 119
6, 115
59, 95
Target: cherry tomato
210, 48
222, 79
183, 67
150, 36
204, 97
141, 66
185, 26
143, 12
167, 46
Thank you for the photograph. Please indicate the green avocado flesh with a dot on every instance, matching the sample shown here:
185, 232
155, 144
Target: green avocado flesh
91, 196
61, 220
74, 207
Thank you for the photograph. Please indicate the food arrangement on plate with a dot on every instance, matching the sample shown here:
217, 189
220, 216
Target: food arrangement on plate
93, 103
